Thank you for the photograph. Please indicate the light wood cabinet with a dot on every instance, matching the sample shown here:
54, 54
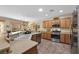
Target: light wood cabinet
47, 24
65, 38
65, 22
46, 35
62, 38
50, 23
62, 23
68, 22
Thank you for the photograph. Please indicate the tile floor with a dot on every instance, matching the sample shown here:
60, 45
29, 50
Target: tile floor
48, 47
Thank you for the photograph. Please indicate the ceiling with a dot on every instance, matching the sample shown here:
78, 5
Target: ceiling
30, 12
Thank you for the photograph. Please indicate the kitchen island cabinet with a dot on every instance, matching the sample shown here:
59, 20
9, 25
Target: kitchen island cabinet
36, 37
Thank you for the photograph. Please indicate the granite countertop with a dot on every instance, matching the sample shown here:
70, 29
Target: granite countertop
20, 46
35, 33
13, 33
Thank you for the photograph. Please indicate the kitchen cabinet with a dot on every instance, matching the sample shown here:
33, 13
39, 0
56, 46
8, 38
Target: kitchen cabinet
46, 35
65, 22
68, 22
62, 38
47, 24
36, 37
62, 23
65, 38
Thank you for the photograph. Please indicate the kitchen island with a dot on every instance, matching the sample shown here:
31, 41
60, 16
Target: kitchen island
23, 47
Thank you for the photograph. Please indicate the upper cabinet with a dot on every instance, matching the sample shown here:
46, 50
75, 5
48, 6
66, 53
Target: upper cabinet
68, 22
65, 22
47, 24
62, 22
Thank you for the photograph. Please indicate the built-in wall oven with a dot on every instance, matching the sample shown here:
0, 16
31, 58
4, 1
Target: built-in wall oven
55, 35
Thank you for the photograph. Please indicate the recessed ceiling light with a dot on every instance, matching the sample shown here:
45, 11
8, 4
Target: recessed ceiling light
40, 10
60, 11
46, 14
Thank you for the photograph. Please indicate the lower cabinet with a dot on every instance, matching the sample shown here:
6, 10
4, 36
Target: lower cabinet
65, 38
46, 35
36, 37
68, 40
62, 38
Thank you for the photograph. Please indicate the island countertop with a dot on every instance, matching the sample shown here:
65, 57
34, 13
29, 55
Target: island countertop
20, 46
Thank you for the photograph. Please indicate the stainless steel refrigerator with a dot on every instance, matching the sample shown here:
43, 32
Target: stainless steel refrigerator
75, 32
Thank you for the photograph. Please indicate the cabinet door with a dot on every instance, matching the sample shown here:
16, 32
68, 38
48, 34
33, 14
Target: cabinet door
50, 23
62, 38
48, 35
44, 35
34, 37
62, 23
67, 38
68, 22
47, 24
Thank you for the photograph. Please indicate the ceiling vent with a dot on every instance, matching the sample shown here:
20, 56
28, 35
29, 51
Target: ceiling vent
51, 10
